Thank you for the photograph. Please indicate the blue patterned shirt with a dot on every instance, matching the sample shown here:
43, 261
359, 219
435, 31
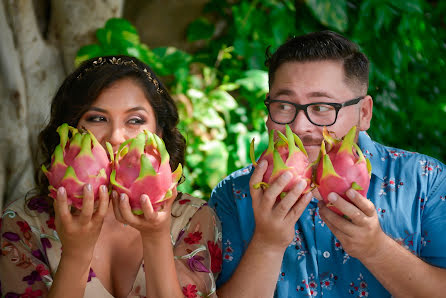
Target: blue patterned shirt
409, 192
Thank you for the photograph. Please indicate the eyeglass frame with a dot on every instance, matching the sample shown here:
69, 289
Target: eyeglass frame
298, 107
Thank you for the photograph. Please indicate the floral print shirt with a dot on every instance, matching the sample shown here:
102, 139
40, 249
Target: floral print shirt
409, 193
31, 250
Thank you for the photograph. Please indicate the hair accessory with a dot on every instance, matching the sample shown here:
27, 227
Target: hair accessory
118, 61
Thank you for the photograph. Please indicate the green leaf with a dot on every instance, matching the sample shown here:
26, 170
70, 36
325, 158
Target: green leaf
408, 6
87, 52
215, 162
222, 100
200, 29
332, 14
254, 80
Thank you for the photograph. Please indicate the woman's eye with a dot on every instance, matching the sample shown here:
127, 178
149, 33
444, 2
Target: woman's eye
96, 118
137, 121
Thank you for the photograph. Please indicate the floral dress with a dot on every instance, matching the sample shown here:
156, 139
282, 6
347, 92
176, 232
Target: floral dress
31, 250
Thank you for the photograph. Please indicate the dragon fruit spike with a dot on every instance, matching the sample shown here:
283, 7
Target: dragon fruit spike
146, 168
279, 165
329, 138
269, 150
348, 141
176, 175
161, 148
111, 155
63, 134
328, 169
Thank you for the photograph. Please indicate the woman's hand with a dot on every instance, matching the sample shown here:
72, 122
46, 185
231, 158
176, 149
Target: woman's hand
275, 222
79, 233
151, 224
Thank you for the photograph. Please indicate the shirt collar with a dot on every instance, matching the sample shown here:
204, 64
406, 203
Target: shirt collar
370, 150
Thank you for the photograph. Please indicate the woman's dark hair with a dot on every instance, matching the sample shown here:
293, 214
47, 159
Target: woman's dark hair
81, 88
323, 45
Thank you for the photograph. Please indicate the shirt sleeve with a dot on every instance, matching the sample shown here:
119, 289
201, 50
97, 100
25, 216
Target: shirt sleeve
433, 240
198, 254
24, 271
233, 246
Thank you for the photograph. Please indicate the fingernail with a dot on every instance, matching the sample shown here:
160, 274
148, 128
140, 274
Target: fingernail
103, 188
61, 190
287, 175
350, 193
122, 197
262, 164
88, 187
114, 194
302, 183
143, 198
332, 197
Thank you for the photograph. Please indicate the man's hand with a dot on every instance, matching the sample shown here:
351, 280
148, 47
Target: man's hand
275, 221
361, 235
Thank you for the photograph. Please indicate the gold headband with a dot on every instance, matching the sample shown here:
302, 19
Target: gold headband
101, 61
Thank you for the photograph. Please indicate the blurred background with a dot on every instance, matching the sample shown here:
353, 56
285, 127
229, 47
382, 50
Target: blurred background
210, 54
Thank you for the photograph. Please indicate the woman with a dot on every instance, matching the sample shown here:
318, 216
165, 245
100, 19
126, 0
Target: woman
108, 251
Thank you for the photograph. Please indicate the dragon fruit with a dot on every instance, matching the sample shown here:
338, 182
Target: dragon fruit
141, 166
342, 166
76, 161
287, 153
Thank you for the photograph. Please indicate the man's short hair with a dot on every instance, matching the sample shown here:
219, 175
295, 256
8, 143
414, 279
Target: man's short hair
319, 46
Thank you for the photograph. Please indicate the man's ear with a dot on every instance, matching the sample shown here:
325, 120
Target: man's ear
366, 112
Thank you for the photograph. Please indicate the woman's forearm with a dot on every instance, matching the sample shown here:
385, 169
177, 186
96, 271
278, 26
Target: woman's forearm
71, 278
159, 267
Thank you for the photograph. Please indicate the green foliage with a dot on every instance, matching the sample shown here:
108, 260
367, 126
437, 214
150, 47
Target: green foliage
220, 88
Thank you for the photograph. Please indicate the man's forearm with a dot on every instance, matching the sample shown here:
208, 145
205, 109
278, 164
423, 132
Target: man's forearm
402, 273
257, 273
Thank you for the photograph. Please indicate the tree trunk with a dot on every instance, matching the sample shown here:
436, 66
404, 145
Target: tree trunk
35, 56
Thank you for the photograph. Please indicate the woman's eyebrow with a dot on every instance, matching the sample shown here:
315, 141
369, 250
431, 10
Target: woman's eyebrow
138, 108
97, 109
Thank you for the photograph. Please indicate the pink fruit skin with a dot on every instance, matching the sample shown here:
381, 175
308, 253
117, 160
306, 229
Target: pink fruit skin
155, 179
87, 168
348, 170
289, 157
299, 167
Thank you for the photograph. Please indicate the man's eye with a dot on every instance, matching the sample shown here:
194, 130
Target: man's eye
284, 107
321, 108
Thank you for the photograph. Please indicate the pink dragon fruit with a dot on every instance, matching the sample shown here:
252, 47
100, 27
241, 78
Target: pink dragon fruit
343, 166
141, 166
287, 153
75, 162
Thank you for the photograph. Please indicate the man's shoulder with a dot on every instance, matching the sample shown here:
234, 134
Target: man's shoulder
384, 158
240, 176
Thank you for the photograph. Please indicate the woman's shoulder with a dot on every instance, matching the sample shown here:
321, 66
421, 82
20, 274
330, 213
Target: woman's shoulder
35, 211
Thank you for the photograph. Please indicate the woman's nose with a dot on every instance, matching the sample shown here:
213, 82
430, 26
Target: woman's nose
117, 136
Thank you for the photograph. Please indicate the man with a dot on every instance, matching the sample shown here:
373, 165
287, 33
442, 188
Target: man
395, 241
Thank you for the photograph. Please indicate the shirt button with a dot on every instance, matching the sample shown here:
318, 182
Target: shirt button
326, 254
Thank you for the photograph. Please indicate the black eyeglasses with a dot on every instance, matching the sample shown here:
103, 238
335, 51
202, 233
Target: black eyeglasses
318, 113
